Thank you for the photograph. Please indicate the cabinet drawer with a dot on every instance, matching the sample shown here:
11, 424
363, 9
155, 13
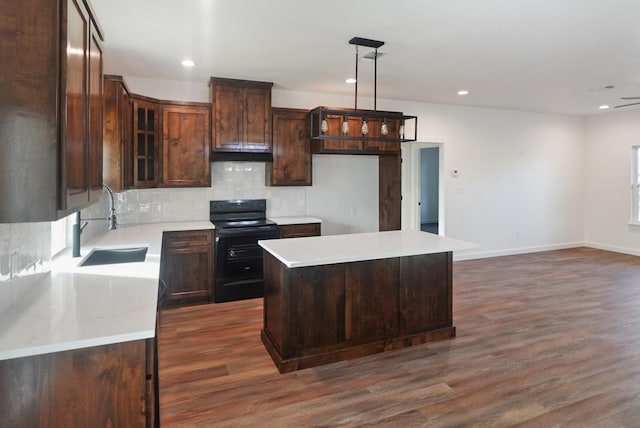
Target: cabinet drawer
299, 230
192, 238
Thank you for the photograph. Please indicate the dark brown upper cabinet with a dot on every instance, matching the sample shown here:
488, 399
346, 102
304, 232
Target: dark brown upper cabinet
359, 143
186, 145
241, 112
94, 119
146, 137
50, 109
291, 164
117, 166
155, 143
375, 131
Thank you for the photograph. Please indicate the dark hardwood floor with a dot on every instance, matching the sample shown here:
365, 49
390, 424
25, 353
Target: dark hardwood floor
544, 339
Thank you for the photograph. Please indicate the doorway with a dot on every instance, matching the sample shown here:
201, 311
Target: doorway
422, 187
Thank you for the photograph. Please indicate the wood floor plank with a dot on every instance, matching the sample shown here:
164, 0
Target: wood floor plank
543, 339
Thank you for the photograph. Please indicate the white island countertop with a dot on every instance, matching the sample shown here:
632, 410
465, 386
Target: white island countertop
324, 250
283, 221
75, 307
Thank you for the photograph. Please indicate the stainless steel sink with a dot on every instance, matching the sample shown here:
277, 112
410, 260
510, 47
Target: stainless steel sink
104, 256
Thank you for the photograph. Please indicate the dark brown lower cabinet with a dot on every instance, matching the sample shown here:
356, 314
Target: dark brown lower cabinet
103, 386
299, 230
186, 266
322, 314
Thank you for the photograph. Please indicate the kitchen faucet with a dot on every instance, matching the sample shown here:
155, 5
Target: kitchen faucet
78, 226
113, 224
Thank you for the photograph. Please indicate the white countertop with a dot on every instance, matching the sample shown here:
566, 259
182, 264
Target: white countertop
75, 307
282, 221
330, 249
60, 311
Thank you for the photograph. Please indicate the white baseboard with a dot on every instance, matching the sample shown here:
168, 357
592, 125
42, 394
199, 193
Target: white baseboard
613, 248
471, 255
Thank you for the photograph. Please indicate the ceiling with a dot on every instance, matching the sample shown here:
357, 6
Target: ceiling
552, 56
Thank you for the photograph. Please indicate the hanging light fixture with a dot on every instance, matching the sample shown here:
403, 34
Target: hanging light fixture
320, 123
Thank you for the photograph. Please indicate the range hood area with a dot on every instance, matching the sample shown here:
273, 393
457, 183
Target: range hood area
241, 157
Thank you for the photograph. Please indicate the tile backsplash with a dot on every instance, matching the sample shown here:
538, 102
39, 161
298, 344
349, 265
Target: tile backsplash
230, 180
25, 248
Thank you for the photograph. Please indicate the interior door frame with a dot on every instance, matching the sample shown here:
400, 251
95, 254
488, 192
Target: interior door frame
411, 185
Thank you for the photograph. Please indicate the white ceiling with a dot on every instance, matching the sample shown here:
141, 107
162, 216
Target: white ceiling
539, 55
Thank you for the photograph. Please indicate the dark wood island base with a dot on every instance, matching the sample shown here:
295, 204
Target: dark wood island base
347, 353
322, 314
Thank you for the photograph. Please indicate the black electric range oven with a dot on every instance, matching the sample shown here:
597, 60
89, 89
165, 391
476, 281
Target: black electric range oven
239, 225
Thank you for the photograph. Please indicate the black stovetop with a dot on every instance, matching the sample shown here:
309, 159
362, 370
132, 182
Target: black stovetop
239, 213
225, 224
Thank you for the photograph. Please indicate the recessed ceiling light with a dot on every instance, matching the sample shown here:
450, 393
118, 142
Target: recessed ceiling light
463, 92
350, 80
187, 63
604, 107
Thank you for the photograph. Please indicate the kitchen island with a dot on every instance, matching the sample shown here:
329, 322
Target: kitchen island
332, 298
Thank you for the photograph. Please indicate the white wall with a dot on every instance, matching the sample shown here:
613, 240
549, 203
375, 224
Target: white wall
344, 193
169, 89
519, 187
607, 181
